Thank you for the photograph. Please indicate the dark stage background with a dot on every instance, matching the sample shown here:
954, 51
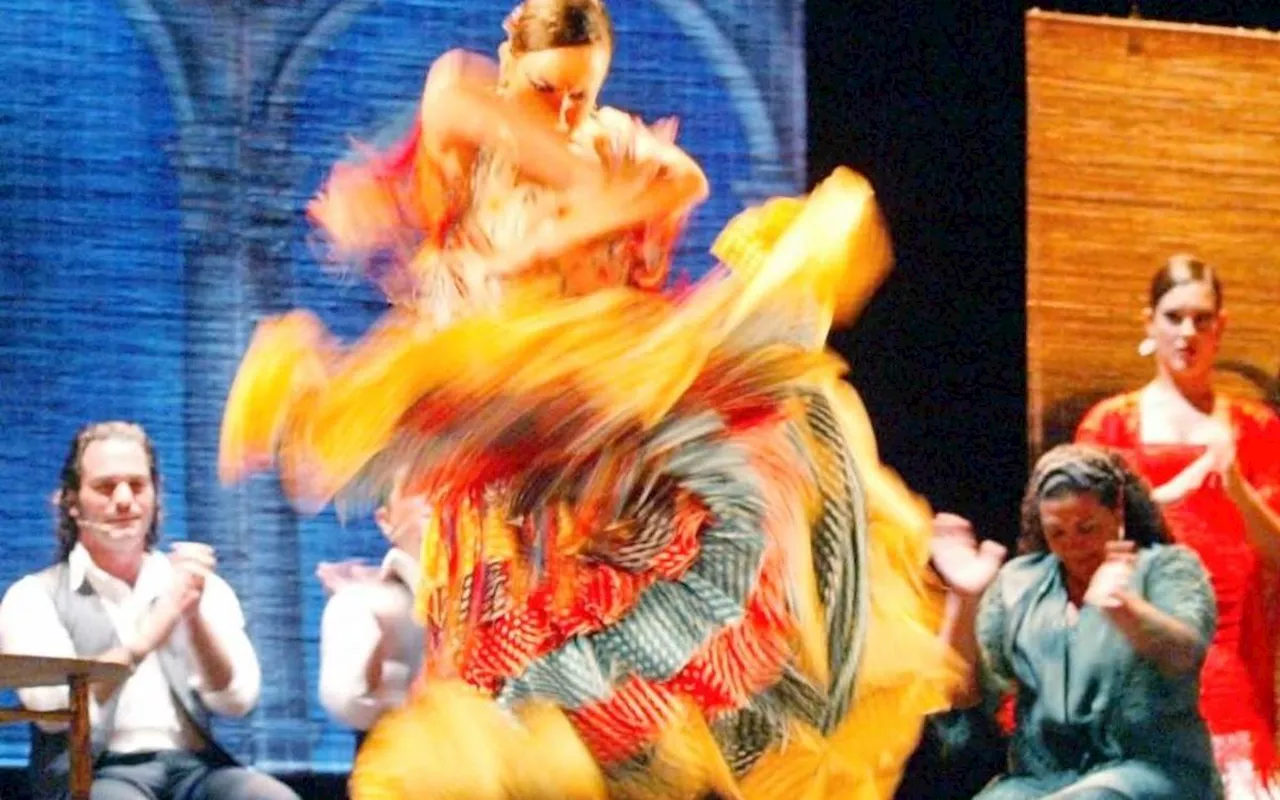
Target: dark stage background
929, 100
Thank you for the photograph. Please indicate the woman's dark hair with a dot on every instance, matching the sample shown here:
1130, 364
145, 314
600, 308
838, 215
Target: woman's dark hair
1069, 470
547, 24
1180, 269
64, 499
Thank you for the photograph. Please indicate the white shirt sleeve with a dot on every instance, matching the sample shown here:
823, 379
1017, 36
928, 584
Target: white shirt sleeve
221, 612
349, 638
30, 626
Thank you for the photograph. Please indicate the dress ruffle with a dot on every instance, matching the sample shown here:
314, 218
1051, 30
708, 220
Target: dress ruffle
663, 517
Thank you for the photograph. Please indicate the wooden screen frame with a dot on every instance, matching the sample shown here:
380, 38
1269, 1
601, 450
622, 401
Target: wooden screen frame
1145, 139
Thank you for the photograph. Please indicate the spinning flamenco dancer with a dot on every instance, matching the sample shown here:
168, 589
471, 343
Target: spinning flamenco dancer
664, 560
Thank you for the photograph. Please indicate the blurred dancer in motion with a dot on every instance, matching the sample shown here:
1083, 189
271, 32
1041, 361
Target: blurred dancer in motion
510, 167
663, 559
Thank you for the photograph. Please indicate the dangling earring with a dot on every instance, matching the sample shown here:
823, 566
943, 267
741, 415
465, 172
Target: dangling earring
504, 66
1147, 347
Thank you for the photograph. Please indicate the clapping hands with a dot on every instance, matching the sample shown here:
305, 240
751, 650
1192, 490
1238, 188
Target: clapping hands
335, 576
1109, 588
966, 566
1219, 459
192, 564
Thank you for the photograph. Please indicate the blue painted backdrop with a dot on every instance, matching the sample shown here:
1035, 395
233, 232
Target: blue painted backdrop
155, 157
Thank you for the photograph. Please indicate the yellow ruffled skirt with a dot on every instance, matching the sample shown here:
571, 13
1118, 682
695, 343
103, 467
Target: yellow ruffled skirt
601, 367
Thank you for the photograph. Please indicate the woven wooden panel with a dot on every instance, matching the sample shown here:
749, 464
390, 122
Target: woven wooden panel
1144, 139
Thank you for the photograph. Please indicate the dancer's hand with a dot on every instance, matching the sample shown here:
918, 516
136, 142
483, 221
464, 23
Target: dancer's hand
525, 257
335, 576
589, 212
967, 567
1220, 446
1221, 453
1219, 459
1109, 586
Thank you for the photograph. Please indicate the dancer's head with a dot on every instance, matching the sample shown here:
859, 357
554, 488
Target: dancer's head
1079, 499
556, 57
1185, 319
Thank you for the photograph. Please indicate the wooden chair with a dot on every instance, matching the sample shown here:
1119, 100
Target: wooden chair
21, 672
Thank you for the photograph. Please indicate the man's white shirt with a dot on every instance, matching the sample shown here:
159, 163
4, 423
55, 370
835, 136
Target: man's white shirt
147, 715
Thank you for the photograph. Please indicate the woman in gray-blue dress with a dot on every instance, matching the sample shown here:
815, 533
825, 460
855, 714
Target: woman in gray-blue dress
1099, 628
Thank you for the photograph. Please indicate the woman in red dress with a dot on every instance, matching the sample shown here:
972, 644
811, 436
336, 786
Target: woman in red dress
1214, 461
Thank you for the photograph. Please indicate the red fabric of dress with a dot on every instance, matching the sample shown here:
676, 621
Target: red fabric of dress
1238, 697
